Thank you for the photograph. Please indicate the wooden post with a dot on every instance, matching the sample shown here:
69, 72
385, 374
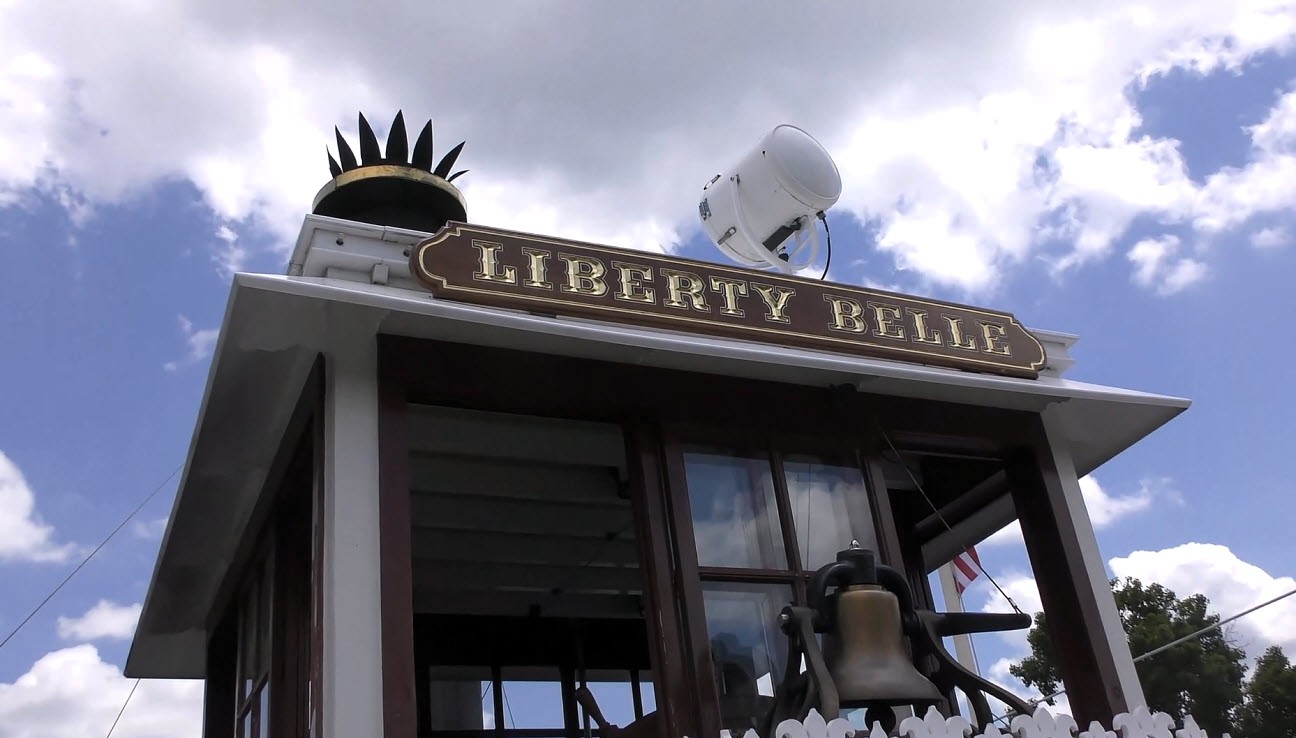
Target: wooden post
400, 697
1090, 645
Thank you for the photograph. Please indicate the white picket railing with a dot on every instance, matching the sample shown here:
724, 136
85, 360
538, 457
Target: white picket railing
1140, 723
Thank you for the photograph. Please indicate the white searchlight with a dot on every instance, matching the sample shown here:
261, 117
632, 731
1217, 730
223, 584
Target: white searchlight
761, 213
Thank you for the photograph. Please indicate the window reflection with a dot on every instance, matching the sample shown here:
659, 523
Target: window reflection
747, 648
830, 507
735, 517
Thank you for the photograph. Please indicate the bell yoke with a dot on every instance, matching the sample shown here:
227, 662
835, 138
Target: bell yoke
864, 662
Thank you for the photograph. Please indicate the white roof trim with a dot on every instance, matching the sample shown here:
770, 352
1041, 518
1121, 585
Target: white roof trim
643, 341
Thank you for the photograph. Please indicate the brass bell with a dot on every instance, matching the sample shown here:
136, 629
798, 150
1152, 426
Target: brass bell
865, 654
864, 630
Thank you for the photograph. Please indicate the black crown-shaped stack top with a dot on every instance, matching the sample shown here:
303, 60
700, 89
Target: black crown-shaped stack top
393, 188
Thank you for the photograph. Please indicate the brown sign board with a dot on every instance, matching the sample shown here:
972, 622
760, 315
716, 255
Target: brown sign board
506, 269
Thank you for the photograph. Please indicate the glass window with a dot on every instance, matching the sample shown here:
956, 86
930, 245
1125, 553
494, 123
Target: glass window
460, 704
534, 702
615, 700
747, 648
735, 516
247, 645
648, 693
253, 690
750, 572
830, 506
265, 712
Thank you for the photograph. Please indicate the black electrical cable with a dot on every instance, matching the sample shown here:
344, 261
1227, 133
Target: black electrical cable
828, 247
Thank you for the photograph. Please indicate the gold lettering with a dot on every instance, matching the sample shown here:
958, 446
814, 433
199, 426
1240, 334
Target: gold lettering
488, 260
776, 300
992, 333
922, 332
847, 315
537, 269
960, 341
731, 289
888, 320
679, 284
631, 274
584, 276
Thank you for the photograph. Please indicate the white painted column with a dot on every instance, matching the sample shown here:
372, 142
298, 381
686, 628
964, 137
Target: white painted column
954, 603
1117, 641
352, 693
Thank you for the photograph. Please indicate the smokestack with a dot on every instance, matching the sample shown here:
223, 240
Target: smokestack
397, 187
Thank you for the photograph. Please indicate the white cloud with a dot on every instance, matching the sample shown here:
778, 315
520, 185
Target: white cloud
972, 137
1158, 267
199, 343
1104, 509
998, 673
230, 255
149, 529
1266, 184
104, 620
1231, 584
72, 692
1021, 588
23, 535
1270, 238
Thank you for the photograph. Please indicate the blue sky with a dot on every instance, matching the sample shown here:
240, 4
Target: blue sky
129, 188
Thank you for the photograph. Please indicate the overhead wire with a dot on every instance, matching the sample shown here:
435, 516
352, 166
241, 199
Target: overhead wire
1159, 649
1191, 636
89, 556
148, 498
941, 518
123, 708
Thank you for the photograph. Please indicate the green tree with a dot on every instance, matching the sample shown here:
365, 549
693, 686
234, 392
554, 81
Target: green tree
1202, 677
1270, 707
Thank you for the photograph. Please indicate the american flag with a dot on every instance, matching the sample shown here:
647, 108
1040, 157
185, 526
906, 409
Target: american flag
967, 566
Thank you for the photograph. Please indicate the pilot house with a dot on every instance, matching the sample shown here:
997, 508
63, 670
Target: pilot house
453, 481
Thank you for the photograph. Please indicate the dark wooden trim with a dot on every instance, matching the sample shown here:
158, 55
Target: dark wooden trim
318, 547
755, 576
422, 691
218, 689
648, 498
497, 697
571, 715
884, 519
506, 380
636, 695
1079, 641
505, 733
396, 582
494, 640
698, 646
292, 597
963, 506
782, 500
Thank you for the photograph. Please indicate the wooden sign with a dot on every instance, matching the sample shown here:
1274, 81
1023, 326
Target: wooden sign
507, 269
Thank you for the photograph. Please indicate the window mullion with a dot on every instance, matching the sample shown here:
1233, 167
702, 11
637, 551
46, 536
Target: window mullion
786, 520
